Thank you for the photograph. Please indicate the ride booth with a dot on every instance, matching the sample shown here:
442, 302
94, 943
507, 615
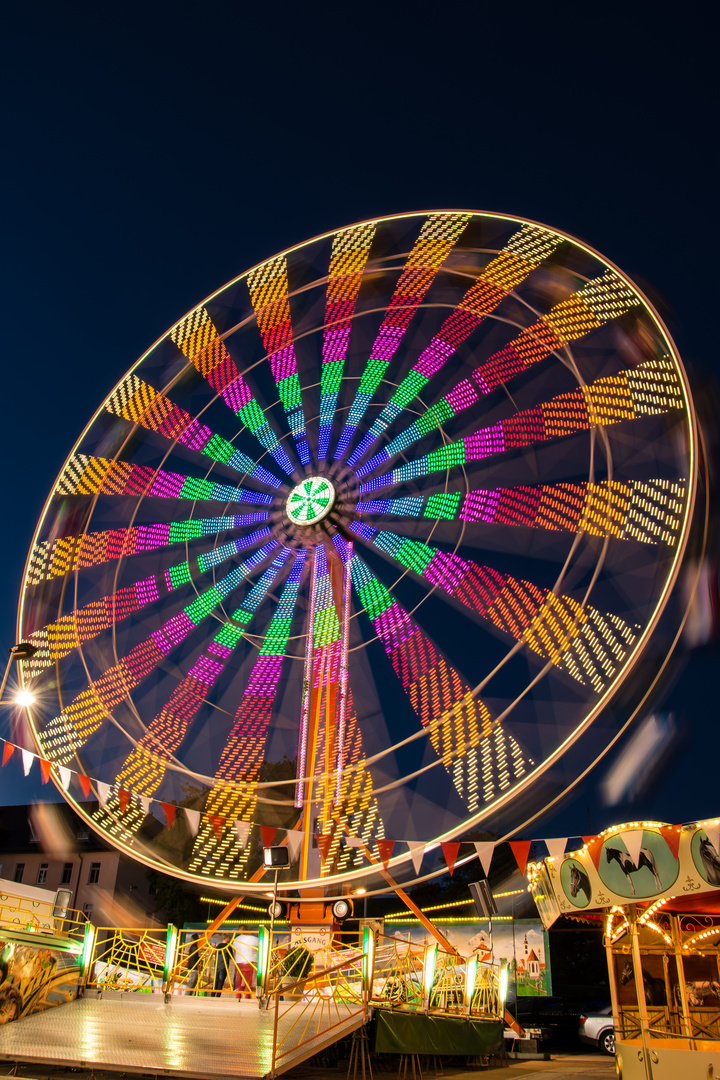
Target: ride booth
656, 889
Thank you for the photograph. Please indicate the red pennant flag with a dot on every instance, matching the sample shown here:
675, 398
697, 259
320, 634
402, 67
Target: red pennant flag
594, 846
268, 834
217, 823
7, 752
85, 784
124, 797
385, 850
45, 767
450, 854
671, 834
521, 851
169, 811
323, 842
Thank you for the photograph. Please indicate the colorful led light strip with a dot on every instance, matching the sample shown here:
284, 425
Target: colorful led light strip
65, 734
605, 298
268, 287
139, 403
86, 475
56, 558
588, 645
437, 238
199, 340
60, 638
525, 251
144, 768
648, 511
649, 390
350, 252
478, 759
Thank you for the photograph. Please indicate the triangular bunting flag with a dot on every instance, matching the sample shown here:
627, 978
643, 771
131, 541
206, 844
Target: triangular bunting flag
169, 810
7, 752
242, 828
556, 848
485, 850
193, 819
65, 776
124, 797
294, 842
594, 846
417, 851
354, 841
268, 834
45, 767
85, 784
671, 834
385, 850
145, 803
103, 792
218, 823
323, 843
633, 841
27, 759
521, 851
450, 851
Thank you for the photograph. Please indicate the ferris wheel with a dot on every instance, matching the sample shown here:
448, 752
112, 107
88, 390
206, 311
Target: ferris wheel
360, 555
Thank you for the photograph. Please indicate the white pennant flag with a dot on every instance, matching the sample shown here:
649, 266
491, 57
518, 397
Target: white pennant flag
484, 851
633, 842
193, 819
556, 848
145, 803
65, 777
294, 842
242, 828
103, 792
353, 841
27, 758
417, 850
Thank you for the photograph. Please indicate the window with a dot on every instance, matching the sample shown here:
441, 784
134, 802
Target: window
87, 910
67, 873
33, 834
42, 874
19, 871
94, 875
82, 833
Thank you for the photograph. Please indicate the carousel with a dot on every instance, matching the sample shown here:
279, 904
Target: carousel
656, 889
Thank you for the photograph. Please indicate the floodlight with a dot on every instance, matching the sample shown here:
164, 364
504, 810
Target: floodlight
276, 857
483, 899
24, 697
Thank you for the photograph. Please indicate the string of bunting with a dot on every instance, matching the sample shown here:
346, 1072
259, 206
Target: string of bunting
632, 837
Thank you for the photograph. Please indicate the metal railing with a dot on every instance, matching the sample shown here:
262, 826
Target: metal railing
222, 964
41, 917
128, 960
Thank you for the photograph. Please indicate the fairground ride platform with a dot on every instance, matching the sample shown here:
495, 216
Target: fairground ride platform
190, 1037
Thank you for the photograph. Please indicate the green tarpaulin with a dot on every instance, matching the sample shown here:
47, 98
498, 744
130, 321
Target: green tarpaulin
413, 1033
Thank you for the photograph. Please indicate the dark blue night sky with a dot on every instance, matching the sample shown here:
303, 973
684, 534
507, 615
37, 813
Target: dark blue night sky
153, 152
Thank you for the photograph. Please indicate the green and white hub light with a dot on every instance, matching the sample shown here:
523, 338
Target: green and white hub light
310, 501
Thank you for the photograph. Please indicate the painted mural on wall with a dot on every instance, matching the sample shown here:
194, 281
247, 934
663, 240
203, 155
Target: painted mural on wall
523, 947
33, 978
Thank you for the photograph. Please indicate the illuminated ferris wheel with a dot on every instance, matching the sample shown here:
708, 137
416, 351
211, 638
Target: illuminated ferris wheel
359, 556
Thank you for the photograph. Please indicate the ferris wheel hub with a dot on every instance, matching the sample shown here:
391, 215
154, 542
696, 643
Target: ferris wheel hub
311, 500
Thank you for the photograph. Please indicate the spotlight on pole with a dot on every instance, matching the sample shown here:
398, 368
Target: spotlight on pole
483, 899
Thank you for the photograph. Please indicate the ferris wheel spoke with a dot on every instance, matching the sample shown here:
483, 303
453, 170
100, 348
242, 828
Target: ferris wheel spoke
472, 747
55, 558
198, 338
77, 627
652, 389
269, 295
647, 511
350, 250
601, 300
144, 769
67, 733
138, 402
525, 251
578, 639
437, 238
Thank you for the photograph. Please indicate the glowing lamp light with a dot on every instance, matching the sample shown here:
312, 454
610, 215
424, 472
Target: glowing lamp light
360, 892
24, 698
470, 979
503, 988
429, 973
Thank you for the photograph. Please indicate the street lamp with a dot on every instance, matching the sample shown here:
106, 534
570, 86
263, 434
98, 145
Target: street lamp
22, 651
